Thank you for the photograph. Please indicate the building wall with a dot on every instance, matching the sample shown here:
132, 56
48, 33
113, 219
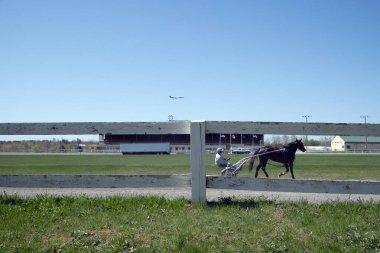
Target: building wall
224, 140
337, 144
361, 146
180, 143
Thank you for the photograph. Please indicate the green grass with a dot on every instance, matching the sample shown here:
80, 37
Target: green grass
331, 166
307, 166
94, 164
152, 224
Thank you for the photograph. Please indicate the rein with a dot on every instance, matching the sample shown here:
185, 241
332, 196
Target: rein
245, 159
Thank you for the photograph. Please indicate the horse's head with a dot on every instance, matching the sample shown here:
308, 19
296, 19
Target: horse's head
300, 145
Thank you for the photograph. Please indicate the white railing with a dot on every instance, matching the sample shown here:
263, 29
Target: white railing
198, 130
199, 183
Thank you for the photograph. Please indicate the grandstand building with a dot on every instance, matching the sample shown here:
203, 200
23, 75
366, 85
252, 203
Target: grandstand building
180, 143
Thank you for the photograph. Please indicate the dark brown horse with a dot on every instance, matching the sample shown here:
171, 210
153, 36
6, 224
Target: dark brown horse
285, 155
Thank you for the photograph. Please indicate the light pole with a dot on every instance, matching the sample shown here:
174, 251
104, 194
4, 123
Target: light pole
365, 125
306, 117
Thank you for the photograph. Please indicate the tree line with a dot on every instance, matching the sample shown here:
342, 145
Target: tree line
42, 146
280, 140
54, 146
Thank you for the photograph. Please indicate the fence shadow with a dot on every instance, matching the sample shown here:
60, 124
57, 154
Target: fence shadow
249, 203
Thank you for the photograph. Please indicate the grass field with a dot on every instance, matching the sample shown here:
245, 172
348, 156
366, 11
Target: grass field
307, 166
151, 224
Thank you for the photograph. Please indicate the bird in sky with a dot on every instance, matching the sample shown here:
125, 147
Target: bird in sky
174, 97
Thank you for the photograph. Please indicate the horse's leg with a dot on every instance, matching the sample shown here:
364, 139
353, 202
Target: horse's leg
257, 169
263, 167
291, 170
286, 170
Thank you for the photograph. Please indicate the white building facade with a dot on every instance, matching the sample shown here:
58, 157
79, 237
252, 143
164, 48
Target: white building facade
355, 143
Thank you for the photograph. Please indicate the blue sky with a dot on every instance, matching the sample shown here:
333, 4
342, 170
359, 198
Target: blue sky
89, 60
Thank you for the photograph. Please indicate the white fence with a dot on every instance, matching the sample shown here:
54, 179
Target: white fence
197, 130
94, 181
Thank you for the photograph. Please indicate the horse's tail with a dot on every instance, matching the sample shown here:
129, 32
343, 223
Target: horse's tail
251, 162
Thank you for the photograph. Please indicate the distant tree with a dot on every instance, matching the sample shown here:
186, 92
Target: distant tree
285, 139
325, 141
293, 138
313, 142
274, 140
278, 141
61, 148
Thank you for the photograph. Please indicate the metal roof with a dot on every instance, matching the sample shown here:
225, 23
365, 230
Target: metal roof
361, 139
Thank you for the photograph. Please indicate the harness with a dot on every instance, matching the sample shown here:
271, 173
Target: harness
245, 159
235, 168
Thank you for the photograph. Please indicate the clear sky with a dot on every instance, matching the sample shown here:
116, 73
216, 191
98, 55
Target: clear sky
106, 61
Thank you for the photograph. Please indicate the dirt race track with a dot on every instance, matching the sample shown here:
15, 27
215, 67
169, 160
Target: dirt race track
185, 192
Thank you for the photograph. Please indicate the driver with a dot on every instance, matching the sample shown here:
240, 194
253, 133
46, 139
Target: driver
221, 161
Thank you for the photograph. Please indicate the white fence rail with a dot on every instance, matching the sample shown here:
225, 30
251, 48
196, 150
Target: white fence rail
291, 185
183, 127
94, 181
197, 130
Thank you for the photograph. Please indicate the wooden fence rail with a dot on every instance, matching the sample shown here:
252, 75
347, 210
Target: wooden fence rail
291, 185
183, 127
94, 181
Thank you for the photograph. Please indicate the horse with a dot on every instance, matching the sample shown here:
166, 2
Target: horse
285, 155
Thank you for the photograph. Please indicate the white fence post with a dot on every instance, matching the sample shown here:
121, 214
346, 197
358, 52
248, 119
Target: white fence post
198, 171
